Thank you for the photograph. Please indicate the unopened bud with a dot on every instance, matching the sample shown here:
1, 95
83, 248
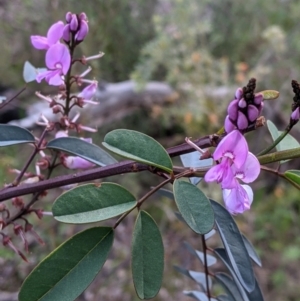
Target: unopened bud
232, 109
82, 32
239, 93
242, 122
68, 17
66, 33
228, 125
252, 113
295, 116
242, 103
74, 23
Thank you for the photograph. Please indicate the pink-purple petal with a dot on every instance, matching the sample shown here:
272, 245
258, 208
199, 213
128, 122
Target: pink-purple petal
232, 109
39, 42
250, 169
89, 91
55, 32
77, 163
235, 143
242, 122
83, 31
228, 125
239, 199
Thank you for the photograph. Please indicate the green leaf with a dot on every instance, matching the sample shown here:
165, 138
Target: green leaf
269, 94
147, 257
234, 246
92, 203
194, 206
83, 149
287, 143
30, 72
225, 298
222, 255
197, 295
166, 193
229, 286
293, 175
138, 147
251, 251
66, 272
12, 134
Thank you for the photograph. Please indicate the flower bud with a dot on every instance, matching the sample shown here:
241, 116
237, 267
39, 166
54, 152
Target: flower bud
242, 103
72, 162
252, 113
68, 17
83, 31
258, 98
232, 109
239, 93
74, 23
82, 16
66, 33
295, 116
228, 125
242, 122
89, 91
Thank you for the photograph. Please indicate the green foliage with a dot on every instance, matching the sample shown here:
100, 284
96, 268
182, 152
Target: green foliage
11, 134
138, 147
67, 271
234, 246
92, 203
83, 149
194, 207
147, 257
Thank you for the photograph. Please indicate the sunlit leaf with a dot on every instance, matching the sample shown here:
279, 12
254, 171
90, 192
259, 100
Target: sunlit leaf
66, 272
293, 175
83, 149
147, 257
138, 147
210, 234
92, 203
234, 246
269, 94
193, 160
194, 206
288, 142
11, 134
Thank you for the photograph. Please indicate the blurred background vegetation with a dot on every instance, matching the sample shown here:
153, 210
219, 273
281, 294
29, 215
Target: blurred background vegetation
204, 50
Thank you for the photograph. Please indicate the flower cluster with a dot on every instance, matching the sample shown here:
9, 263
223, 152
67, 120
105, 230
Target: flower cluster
244, 109
236, 163
58, 57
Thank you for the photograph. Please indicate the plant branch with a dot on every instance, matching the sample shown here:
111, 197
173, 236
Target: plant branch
101, 172
205, 265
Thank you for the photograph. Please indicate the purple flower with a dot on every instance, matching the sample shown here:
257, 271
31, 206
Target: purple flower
54, 34
89, 91
72, 162
236, 163
232, 150
239, 197
58, 61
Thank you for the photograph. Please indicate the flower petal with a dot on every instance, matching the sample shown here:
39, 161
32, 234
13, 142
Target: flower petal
251, 169
39, 42
55, 32
77, 163
89, 91
239, 199
234, 143
58, 56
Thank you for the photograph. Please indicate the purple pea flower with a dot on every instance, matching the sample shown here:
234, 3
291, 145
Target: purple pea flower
239, 197
54, 34
58, 61
89, 91
232, 150
72, 162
